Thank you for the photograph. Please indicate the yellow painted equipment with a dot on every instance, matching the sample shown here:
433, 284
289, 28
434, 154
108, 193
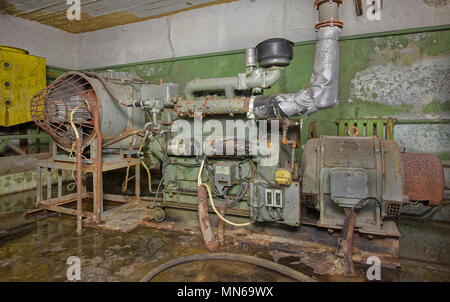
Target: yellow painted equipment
283, 177
21, 77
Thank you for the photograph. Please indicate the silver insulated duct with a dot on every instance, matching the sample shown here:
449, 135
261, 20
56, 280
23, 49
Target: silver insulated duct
322, 92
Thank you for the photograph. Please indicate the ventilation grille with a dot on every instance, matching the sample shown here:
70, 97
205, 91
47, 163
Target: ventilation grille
393, 208
309, 200
52, 107
383, 128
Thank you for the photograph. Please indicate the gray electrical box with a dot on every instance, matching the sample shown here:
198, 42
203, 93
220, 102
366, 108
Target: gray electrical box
274, 198
225, 174
348, 185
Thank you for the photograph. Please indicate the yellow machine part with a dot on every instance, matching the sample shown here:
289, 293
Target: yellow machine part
21, 77
283, 177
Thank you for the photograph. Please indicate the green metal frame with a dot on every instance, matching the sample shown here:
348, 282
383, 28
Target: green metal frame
369, 124
368, 127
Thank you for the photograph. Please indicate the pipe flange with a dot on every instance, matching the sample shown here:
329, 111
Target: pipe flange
318, 3
330, 22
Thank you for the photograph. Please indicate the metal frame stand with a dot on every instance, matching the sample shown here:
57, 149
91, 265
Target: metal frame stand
49, 167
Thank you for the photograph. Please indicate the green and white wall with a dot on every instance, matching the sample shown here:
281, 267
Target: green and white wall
398, 66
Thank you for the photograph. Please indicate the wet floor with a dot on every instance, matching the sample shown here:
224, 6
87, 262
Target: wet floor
39, 251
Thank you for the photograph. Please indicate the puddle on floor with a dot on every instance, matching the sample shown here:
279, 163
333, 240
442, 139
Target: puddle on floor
39, 250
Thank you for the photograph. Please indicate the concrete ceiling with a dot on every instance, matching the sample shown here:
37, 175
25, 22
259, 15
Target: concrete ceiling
98, 14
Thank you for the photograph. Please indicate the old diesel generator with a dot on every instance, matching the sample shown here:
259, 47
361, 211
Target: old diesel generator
223, 145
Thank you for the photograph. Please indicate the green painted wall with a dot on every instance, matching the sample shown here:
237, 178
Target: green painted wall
371, 70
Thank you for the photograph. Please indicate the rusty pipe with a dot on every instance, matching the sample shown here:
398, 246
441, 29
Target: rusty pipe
213, 106
203, 218
120, 138
348, 243
221, 227
79, 143
98, 161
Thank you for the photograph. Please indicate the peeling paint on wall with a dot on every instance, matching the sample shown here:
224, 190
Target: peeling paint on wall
416, 85
403, 76
423, 138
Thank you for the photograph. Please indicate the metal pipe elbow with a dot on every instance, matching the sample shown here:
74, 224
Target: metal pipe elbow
323, 89
263, 78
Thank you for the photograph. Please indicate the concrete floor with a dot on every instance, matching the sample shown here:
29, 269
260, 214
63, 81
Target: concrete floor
36, 249
38, 252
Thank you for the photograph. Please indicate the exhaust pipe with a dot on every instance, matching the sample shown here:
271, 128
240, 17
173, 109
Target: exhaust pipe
322, 92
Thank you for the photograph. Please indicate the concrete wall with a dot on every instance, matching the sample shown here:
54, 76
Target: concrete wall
405, 76
218, 28
240, 25
60, 48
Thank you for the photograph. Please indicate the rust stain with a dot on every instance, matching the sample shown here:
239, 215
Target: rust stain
424, 178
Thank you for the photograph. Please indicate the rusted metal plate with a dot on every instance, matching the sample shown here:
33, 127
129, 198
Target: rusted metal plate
424, 178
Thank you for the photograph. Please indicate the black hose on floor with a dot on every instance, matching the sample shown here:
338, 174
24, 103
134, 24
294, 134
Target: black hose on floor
287, 271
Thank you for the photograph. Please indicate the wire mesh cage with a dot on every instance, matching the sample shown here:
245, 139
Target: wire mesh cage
65, 100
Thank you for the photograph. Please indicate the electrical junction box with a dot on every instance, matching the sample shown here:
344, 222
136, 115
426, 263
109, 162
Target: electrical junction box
348, 186
21, 77
274, 198
269, 197
283, 177
225, 174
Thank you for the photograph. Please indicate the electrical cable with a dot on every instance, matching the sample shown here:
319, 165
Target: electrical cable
345, 226
199, 181
276, 267
72, 185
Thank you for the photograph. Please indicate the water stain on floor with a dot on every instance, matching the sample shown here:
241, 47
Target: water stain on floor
39, 251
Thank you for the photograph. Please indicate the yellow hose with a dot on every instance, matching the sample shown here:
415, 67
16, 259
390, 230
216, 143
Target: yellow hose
200, 183
149, 177
72, 123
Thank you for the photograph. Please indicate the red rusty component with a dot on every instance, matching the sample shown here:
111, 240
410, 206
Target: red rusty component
353, 131
424, 178
347, 244
98, 161
320, 2
337, 23
203, 218
79, 188
221, 233
213, 106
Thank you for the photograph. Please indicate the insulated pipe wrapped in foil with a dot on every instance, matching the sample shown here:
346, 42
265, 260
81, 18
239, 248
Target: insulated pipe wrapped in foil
324, 85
